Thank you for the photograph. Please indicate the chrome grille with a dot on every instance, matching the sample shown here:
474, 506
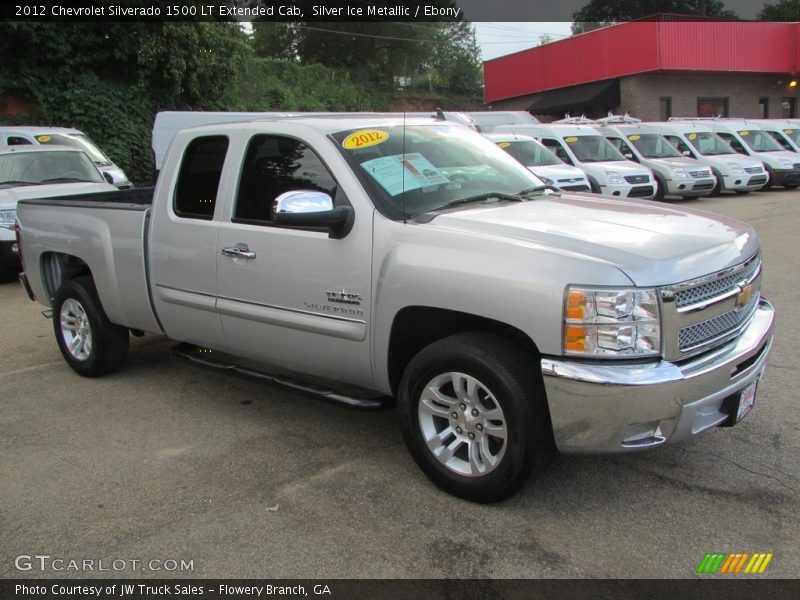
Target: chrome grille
637, 178
699, 174
707, 331
717, 287
753, 170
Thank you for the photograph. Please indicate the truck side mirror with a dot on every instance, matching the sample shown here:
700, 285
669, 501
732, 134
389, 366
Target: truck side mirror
687, 153
310, 209
628, 155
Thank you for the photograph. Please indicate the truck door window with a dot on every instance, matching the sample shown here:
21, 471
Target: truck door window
275, 164
557, 149
198, 179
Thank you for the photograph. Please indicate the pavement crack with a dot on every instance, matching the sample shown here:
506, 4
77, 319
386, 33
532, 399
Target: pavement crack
767, 475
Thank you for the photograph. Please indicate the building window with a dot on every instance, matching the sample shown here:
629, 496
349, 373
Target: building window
789, 108
764, 102
665, 107
712, 107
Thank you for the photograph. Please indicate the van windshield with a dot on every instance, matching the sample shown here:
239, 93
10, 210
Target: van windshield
35, 168
759, 141
793, 134
77, 140
592, 148
415, 169
653, 145
709, 143
530, 153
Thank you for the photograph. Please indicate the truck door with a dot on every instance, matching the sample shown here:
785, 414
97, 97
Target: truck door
292, 297
183, 242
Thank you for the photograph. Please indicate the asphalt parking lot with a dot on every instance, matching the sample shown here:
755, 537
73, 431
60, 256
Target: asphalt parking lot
165, 461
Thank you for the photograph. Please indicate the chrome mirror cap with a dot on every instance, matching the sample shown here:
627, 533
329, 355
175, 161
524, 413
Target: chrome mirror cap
302, 201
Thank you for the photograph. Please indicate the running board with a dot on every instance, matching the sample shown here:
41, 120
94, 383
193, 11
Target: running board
196, 355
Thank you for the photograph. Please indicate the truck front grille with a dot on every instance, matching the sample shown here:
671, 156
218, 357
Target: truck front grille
700, 174
576, 188
704, 332
720, 285
700, 314
753, 170
637, 178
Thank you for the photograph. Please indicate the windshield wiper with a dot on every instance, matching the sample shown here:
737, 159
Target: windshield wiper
470, 200
537, 191
16, 182
66, 180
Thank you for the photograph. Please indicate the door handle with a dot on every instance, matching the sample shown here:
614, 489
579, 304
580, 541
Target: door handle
240, 251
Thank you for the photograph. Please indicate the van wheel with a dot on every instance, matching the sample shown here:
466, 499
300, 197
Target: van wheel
474, 416
717, 189
770, 179
662, 187
90, 343
594, 185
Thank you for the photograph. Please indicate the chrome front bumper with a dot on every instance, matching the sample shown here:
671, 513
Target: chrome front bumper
605, 407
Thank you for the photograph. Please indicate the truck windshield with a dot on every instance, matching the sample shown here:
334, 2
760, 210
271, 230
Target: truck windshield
759, 141
77, 140
421, 168
34, 168
530, 153
592, 148
793, 134
708, 143
653, 145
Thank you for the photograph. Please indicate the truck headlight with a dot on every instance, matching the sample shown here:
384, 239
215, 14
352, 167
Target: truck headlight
679, 173
736, 168
7, 218
611, 323
615, 178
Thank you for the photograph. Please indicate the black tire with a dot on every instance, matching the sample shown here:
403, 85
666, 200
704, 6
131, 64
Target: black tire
791, 186
662, 189
770, 179
717, 189
742, 192
108, 346
511, 380
595, 187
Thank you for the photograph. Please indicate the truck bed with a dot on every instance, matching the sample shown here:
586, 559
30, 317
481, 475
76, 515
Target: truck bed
106, 232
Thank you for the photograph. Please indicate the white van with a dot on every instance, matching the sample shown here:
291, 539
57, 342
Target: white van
582, 146
487, 121
168, 123
783, 131
746, 138
677, 175
734, 172
63, 136
541, 162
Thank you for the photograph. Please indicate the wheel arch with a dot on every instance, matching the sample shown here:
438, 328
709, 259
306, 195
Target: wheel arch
415, 327
58, 267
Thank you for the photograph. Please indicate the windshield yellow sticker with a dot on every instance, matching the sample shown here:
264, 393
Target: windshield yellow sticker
43, 139
744, 133
788, 131
692, 136
364, 139
571, 139
504, 144
633, 138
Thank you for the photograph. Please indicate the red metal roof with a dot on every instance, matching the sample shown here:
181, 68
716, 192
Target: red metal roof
643, 47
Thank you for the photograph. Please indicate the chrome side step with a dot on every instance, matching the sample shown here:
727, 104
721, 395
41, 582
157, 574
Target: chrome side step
200, 357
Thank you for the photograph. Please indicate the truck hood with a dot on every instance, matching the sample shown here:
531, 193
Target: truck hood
623, 167
679, 162
740, 159
10, 196
651, 243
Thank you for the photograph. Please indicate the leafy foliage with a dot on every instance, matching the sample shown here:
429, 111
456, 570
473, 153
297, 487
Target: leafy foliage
785, 10
600, 13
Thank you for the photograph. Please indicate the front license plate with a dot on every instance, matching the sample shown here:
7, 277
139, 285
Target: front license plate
746, 401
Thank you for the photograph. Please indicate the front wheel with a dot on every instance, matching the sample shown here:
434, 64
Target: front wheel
90, 343
474, 416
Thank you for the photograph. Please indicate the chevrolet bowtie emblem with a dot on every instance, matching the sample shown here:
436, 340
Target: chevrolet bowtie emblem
744, 295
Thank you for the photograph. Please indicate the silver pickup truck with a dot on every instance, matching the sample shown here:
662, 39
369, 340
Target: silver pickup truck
417, 260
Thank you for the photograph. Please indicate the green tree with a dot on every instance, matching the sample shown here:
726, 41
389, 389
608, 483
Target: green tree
272, 39
600, 13
785, 10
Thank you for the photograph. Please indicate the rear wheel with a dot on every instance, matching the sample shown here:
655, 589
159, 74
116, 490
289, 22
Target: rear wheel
89, 342
474, 416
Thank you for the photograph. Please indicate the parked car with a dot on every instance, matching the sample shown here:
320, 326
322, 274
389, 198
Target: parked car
39, 172
579, 144
733, 171
783, 167
62, 136
541, 162
677, 175
416, 259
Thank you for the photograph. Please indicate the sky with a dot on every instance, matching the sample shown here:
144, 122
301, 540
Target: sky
498, 39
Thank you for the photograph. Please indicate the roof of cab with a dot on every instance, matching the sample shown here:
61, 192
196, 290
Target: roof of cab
26, 148
37, 129
508, 137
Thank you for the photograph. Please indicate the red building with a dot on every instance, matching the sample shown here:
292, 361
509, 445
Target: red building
655, 69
